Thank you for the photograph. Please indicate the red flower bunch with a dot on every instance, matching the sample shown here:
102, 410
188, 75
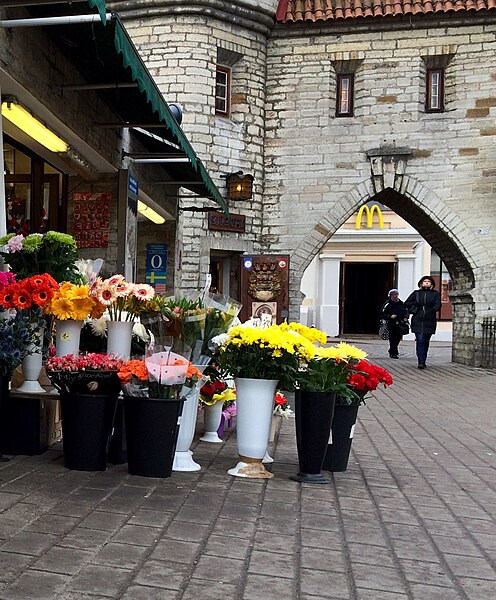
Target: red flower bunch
86, 362
210, 388
366, 377
33, 292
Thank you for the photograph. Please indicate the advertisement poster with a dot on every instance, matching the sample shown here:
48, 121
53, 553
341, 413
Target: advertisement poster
91, 219
156, 266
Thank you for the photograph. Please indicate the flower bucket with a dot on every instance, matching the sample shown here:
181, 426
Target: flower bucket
152, 425
87, 421
67, 336
119, 336
183, 457
339, 447
31, 367
212, 416
313, 418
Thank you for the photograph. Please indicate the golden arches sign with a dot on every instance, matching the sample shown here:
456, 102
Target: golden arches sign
370, 215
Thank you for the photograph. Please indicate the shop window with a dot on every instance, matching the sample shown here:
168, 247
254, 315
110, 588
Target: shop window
444, 285
344, 95
32, 190
222, 90
435, 90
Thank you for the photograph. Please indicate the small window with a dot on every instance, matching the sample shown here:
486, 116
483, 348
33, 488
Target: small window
435, 90
222, 90
344, 96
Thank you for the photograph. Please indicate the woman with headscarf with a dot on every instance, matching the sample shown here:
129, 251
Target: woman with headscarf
393, 311
423, 304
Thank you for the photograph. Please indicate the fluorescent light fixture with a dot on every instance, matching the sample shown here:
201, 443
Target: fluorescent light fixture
149, 213
25, 121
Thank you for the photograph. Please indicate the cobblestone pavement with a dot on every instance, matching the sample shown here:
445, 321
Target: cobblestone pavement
412, 518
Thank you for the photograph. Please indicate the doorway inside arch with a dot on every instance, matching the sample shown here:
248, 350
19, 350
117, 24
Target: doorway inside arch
363, 290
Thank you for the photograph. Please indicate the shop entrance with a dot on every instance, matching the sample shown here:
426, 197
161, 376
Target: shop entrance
224, 270
363, 290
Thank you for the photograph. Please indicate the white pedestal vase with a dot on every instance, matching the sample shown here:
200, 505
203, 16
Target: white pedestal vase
31, 367
267, 459
67, 336
254, 406
119, 335
183, 457
211, 418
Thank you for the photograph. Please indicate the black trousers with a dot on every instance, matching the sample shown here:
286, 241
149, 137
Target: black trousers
394, 340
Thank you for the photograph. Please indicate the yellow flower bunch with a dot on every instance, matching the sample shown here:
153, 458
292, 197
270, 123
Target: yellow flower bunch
310, 333
72, 301
342, 351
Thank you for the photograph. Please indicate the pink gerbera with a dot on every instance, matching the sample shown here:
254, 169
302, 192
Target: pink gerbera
143, 291
115, 279
123, 288
106, 294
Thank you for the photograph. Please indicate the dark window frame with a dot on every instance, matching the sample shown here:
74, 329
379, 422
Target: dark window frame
341, 77
429, 95
227, 98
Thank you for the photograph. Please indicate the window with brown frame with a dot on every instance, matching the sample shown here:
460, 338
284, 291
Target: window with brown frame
434, 100
222, 90
344, 95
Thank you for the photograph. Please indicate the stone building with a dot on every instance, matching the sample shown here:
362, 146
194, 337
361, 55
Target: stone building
330, 105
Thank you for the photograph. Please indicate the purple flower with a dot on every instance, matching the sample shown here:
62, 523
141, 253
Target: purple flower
15, 243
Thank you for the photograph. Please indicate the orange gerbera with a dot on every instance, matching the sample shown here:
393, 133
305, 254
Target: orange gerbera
21, 299
41, 295
6, 298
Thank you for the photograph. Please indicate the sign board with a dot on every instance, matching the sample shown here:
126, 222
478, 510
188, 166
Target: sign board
156, 266
91, 219
217, 221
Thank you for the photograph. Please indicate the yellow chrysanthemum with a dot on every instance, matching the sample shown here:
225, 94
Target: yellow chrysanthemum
351, 351
310, 333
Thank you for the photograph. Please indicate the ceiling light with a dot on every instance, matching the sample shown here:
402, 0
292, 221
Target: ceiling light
149, 213
25, 121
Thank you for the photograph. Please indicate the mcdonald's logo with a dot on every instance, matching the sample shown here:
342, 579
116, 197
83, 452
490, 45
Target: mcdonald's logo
370, 214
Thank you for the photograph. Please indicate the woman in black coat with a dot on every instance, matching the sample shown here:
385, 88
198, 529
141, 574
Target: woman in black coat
423, 305
393, 310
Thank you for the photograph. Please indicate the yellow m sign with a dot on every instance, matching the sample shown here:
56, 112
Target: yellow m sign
370, 214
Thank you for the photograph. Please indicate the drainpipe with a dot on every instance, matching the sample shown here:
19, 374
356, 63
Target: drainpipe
44, 21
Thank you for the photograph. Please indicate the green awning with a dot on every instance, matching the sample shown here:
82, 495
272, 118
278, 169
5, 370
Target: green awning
101, 7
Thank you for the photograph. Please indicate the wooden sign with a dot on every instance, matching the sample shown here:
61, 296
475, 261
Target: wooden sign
217, 221
91, 219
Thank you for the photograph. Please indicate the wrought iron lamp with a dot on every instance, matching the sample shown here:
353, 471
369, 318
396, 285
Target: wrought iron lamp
239, 186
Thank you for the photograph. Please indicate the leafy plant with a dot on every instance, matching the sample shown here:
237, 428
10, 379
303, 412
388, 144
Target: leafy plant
16, 337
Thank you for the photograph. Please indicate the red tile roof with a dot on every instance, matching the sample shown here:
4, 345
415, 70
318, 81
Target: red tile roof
292, 11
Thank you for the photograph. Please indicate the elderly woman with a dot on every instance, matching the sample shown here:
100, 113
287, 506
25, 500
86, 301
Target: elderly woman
393, 311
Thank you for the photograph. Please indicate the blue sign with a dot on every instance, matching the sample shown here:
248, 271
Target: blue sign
248, 262
156, 264
132, 185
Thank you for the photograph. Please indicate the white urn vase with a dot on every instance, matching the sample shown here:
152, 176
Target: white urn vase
31, 367
211, 419
254, 406
183, 457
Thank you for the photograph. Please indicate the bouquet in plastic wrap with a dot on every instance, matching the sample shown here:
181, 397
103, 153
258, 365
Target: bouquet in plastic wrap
220, 314
163, 373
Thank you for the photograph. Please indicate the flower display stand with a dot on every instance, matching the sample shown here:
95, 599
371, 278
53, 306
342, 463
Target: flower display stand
152, 425
254, 406
117, 454
313, 418
87, 421
26, 422
342, 431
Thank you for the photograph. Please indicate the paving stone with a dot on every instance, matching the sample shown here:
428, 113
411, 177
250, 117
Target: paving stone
477, 589
267, 587
52, 524
324, 584
227, 546
371, 555
280, 544
263, 563
321, 539
175, 550
378, 578
162, 574
100, 580
28, 543
462, 546
124, 556
189, 532
8, 499
196, 514
83, 538
142, 592
322, 559
137, 535
471, 566
363, 594
11, 565
428, 591
35, 584
217, 568
150, 518
426, 572
239, 512
237, 529
63, 560
320, 521
205, 590
106, 521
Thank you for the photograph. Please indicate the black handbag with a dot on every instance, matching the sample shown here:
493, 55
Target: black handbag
403, 327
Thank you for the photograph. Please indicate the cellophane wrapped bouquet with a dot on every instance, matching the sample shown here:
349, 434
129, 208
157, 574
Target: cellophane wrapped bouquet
220, 314
163, 373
